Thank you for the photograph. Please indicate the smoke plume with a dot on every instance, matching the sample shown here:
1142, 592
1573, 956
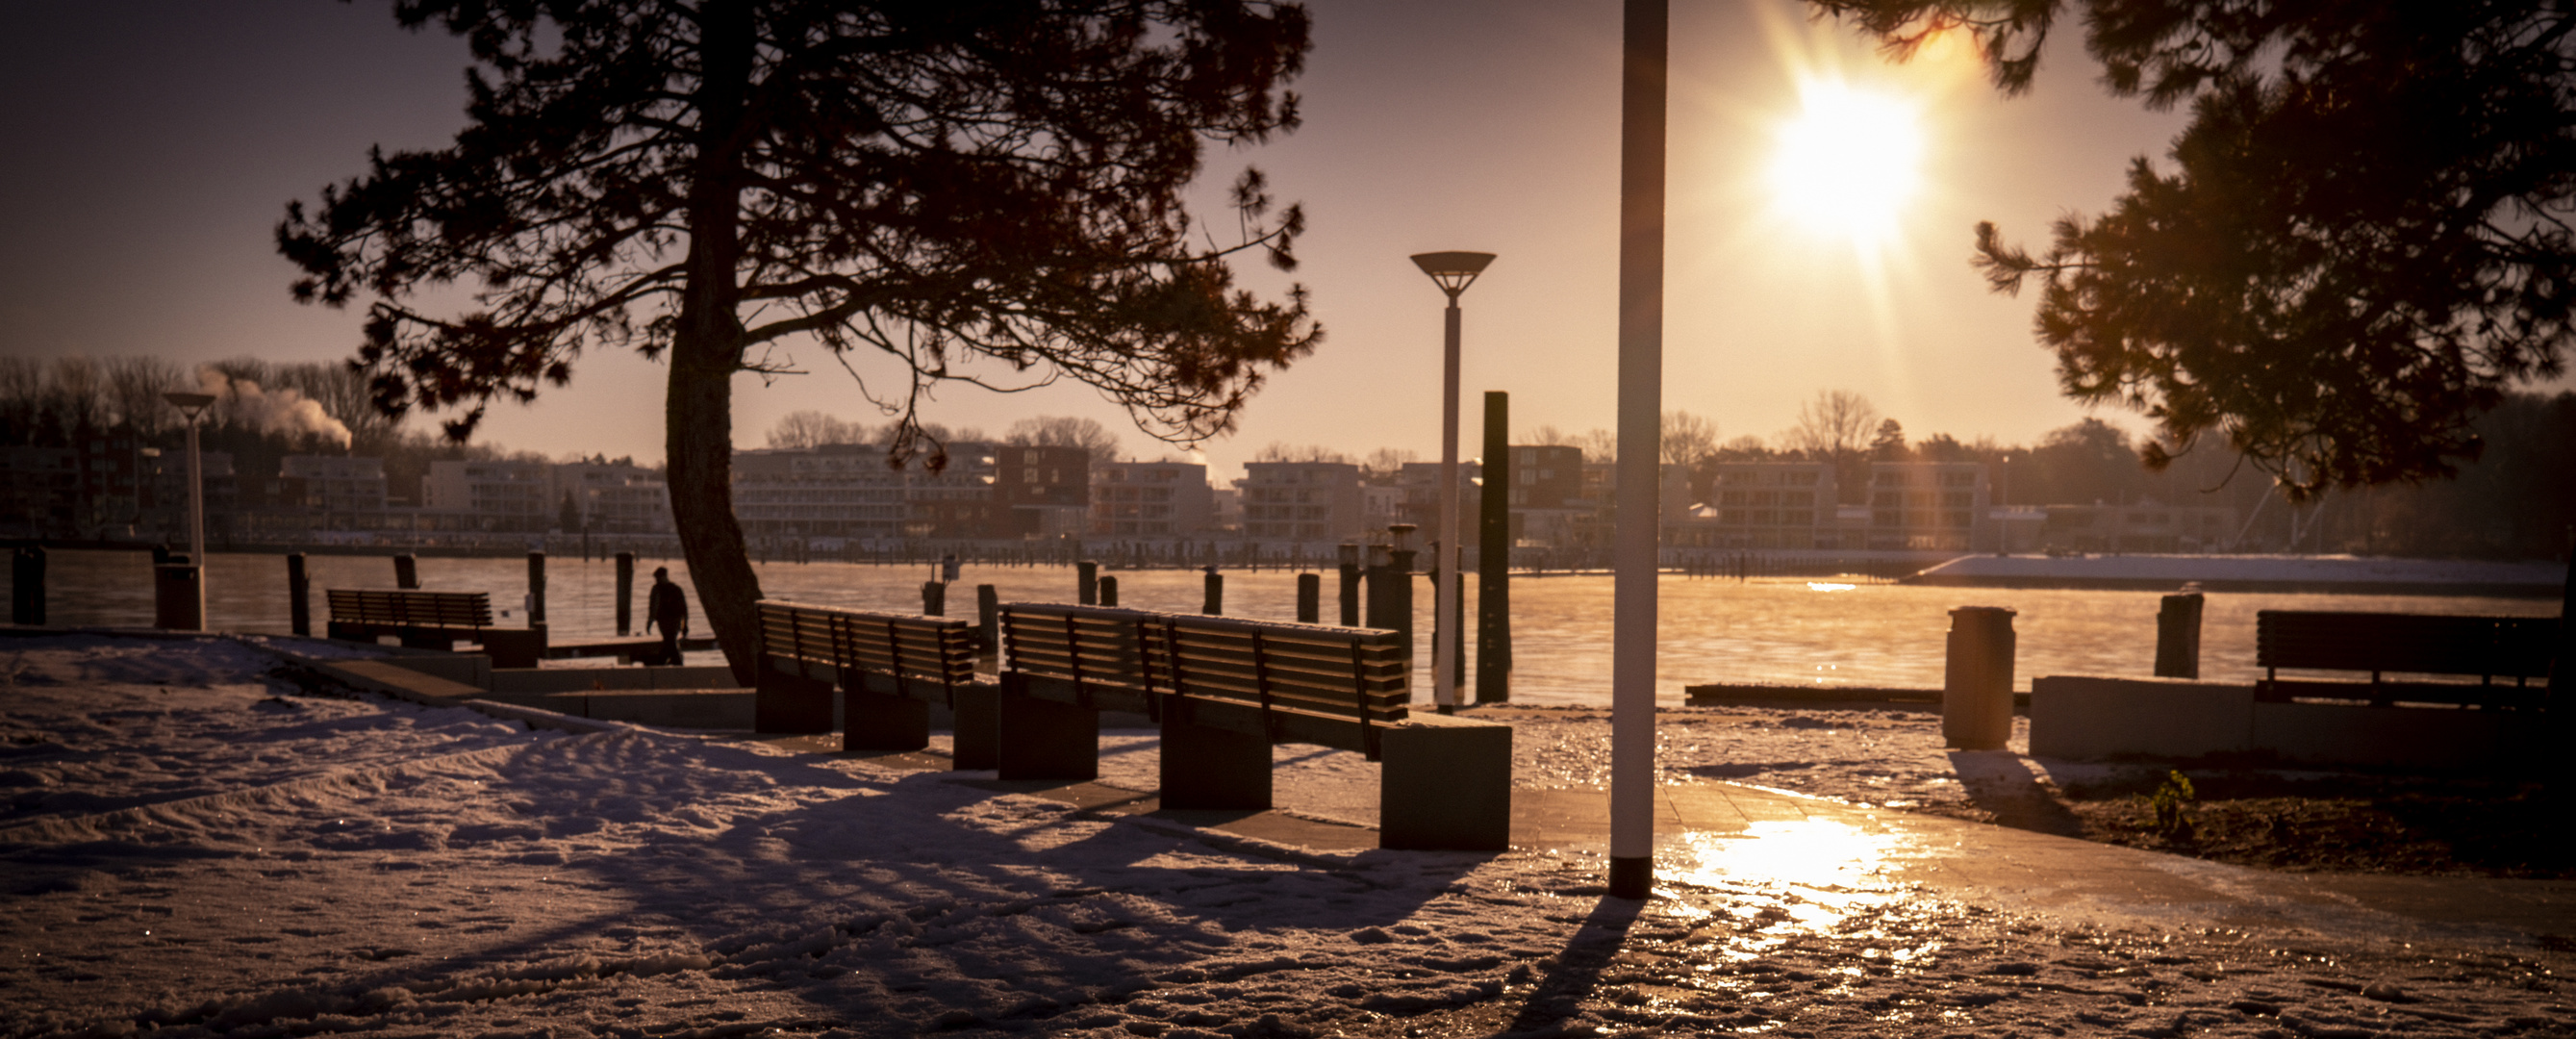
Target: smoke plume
242, 402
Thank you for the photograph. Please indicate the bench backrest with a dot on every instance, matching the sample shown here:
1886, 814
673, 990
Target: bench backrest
901, 645
2513, 647
411, 608
1357, 674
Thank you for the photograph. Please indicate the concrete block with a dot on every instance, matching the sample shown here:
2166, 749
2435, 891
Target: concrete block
877, 721
2083, 716
978, 722
727, 709
1044, 739
1446, 784
474, 669
1210, 768
791, 703
2444, 739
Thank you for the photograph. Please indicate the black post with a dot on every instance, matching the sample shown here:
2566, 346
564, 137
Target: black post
625, 593
1086, 582
1108, 592
988, 618
406, 571
1494, 557
1214, 604
299, 595
1310, 599
536, 588
934, 598
1350, 586
2178, 636
27, 590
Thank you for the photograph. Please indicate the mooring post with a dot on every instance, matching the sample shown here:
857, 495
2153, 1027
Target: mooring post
1494, 556
536, 589
406, 571
1086, 582
934, 598
1108, 591
299, 595
2178, 636
1214, 603
988, 618
27, 590
1310, 598
625, 593
1977, 683
1350, 559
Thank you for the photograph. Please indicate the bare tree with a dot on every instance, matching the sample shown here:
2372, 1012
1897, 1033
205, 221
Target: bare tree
1065, 431
803, 429
1387, 461
1549, 436
344, 394
134, 389
1599, 445
1279, 452
1832, 427
78, 390
1687, 439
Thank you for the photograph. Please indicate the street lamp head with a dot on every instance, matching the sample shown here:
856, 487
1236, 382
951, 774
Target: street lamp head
189, 404
1453, 272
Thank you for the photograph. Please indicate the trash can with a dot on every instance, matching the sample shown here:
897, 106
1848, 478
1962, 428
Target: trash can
175, 605
1977, 693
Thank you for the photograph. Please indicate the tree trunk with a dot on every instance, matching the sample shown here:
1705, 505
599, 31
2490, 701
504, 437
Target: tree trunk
706, 349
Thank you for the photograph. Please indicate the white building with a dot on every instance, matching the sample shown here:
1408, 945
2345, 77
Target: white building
1150, 499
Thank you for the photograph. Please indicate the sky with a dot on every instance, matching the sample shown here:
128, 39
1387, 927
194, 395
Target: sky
157, 143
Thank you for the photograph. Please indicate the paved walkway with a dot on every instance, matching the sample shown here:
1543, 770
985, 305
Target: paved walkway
1716, 831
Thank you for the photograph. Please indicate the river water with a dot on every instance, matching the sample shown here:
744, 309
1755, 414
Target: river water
1762, 631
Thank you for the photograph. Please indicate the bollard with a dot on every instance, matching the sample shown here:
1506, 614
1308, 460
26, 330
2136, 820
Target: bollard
1086, 582
1350, 585
625, 593
1214, 603
27, 588
175, 605
1310, 599
934, 598
299, 595
988, 618
2178, 636
1108, 591
406, 571
1977, 690
536, 589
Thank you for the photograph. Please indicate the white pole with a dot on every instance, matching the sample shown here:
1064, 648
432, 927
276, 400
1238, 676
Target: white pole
197, 520
1641, 391
1444, 650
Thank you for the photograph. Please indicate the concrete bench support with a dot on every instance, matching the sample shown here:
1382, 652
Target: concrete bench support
1044, 739
1447, 785
877, 721
787, 703
979, 726
1207, 768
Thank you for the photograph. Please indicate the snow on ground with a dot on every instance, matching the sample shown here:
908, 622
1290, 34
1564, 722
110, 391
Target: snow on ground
258, 862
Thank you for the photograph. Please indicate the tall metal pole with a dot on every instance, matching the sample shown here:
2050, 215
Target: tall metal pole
197, 519
1444, 642
1641, 391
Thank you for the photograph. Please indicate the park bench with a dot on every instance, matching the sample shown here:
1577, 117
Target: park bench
2383, 644
889, 669
432, 620
1224, 690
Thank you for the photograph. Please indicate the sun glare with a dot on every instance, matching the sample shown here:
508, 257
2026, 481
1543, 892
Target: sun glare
1849, 163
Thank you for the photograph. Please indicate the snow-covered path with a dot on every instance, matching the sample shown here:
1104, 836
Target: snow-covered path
266, 864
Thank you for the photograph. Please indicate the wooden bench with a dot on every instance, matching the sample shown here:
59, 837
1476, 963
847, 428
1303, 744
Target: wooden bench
432, 620
1224, 690
2519, 648
889, 668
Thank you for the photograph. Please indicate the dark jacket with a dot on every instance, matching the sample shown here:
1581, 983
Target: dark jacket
668, 607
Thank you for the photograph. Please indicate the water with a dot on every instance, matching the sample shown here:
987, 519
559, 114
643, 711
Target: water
1764, 631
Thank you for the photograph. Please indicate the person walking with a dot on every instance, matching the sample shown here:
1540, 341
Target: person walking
668, 607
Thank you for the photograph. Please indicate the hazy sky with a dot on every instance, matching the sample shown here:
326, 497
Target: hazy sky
154, 145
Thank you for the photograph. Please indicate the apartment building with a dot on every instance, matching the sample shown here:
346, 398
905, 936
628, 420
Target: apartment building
336, 483
491, 495
613, 497
1763, 505
1042, 491
830, 490
1151, 500
1302, 501
1926, 505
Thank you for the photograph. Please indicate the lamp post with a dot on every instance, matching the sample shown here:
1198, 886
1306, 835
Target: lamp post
1645, 30
1453, 272
193, 406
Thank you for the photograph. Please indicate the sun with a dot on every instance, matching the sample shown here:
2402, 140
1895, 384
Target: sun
1849, 163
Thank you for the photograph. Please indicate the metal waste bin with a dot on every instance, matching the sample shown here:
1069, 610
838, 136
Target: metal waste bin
175, 605
1977, 691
